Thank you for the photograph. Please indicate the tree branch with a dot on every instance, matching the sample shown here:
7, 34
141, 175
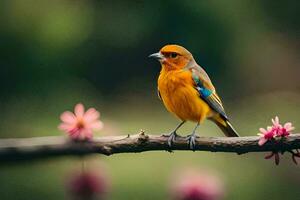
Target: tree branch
45, 147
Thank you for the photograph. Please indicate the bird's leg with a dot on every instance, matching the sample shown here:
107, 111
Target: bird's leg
192, 138
172, 136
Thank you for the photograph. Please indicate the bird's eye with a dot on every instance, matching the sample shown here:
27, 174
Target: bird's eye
173, 55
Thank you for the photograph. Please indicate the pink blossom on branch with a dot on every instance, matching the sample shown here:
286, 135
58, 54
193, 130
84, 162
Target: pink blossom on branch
80, 124
286, 129
265, 135
274, 131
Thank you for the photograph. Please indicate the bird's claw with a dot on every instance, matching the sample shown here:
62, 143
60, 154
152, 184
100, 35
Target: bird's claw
192, 141
171, 138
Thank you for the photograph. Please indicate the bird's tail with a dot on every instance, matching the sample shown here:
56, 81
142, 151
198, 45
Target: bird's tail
226, 127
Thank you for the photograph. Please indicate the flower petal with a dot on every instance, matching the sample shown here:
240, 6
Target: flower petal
68, 117
275, 121
91, 115
262, 141
97, 125
269, 128
66, 127
87, 134
262, 130
79, 110
288, 126
75, 135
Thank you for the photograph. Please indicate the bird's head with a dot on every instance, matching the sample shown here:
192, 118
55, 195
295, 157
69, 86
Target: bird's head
173, 57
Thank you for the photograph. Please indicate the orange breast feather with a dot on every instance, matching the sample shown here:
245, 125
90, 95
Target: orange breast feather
177, 91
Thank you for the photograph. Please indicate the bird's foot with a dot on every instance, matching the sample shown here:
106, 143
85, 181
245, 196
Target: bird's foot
192, 141
171, 138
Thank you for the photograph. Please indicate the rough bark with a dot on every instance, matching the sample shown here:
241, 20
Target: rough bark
45, 147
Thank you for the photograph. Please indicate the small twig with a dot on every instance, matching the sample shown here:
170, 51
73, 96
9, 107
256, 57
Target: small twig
44, 147
295, 154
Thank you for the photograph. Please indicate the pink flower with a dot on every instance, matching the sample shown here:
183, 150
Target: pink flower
274, 131
286, 130
265, 135
87, 185
80, 124
192, 185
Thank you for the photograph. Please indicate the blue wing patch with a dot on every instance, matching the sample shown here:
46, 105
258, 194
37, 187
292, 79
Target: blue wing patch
200, 87
208, 96
204, 92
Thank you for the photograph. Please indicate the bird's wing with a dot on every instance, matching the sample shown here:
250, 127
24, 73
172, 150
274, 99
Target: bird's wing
206, 89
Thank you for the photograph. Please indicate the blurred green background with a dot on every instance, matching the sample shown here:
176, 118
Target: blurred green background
56, 53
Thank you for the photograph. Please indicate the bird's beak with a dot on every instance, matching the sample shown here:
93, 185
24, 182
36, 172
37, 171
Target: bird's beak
159, 56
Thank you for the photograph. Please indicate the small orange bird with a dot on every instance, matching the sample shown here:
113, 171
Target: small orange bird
187, 91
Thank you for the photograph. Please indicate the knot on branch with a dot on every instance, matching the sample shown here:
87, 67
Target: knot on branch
142, 137
106, 150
